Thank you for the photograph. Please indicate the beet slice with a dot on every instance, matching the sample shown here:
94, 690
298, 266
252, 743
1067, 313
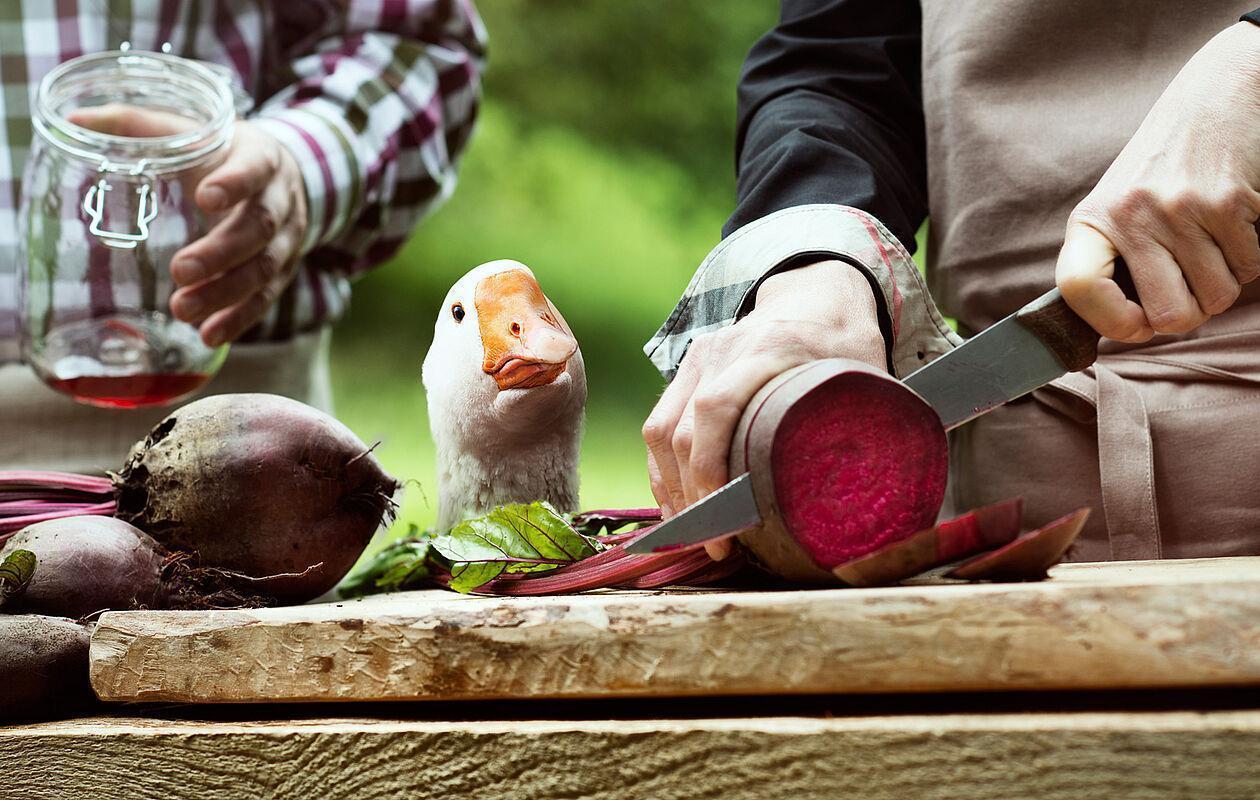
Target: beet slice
844, 459
976, 531
1028, 558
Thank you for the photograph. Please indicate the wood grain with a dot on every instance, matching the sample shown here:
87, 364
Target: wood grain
1137, 624
1119, 756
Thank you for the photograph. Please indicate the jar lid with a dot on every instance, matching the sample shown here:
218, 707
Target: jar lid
153, 81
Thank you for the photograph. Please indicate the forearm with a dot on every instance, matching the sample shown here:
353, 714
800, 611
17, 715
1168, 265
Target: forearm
804, 148
378, 122
829, 292
830, 111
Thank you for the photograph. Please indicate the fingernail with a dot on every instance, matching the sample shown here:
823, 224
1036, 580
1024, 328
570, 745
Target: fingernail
667, 511
189, 270
212, 339
213, 198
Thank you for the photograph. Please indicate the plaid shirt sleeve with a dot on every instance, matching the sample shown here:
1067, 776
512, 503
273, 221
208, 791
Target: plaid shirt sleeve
376, 99
725, 285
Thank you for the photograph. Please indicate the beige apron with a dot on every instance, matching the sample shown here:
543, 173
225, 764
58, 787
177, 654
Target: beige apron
1027, 104
42, 429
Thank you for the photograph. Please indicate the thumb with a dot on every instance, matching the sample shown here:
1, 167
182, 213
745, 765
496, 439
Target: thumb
120, 119
1084, 273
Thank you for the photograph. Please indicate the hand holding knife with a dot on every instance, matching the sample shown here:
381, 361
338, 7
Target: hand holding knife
1037, 344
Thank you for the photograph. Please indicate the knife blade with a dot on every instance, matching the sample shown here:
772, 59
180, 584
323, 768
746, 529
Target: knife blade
731, 509
1042, 341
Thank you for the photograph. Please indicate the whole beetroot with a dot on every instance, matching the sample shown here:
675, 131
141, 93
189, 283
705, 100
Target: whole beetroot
260, 485
43, 666
88, 564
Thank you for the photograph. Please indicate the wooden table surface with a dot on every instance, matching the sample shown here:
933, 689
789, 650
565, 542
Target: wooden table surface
796, 753
1091, 626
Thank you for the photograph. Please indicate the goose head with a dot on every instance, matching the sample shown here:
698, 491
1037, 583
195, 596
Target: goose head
505, 385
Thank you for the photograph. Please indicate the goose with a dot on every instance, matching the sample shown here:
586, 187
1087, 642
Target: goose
506, 393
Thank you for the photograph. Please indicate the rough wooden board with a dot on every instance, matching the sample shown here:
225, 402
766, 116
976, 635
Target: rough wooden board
1189, 623
1206, 756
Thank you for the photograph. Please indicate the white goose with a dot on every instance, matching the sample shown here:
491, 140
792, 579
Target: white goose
506, 392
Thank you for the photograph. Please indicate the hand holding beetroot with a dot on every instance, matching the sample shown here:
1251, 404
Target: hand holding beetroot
825, 310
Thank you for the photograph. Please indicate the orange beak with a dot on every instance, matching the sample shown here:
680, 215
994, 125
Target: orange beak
525, 341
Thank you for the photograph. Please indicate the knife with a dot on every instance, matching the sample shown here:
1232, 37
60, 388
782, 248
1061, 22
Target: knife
1040, 342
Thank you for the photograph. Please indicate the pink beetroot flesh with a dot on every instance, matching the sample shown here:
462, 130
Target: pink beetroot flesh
857, 468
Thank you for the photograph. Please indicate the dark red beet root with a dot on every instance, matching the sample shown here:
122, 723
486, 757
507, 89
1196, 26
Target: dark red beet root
974, 532
1029, 557
260, 485
845, 459
88, 564
43, 666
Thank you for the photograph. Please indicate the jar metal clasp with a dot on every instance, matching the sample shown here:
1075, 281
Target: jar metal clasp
94, 207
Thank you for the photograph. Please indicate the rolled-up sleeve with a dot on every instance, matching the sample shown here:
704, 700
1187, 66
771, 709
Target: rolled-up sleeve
831, 164
376, 103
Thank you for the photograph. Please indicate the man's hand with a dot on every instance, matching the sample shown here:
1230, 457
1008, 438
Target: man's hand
231, 276
824, 310
1180, 202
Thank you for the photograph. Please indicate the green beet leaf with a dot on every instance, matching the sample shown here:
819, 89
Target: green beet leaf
15, 573
401, 565
520, 537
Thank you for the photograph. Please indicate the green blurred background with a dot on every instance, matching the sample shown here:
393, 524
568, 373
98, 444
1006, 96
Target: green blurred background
603, 160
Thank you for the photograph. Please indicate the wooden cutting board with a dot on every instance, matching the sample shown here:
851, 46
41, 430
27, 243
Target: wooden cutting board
1091, 626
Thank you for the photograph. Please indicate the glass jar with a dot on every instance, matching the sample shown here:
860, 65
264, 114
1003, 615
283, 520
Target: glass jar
101, 215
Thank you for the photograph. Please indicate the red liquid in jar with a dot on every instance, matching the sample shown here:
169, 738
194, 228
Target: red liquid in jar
129, 391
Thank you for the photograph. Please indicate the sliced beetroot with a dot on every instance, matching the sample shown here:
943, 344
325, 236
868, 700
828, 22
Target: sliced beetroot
88, 564
258, 485
976, 531
1028, 558
845, 459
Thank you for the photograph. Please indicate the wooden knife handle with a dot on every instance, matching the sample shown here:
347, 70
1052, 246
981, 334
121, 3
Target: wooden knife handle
1071, 338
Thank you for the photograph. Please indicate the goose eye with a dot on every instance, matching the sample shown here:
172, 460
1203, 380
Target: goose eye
457, 311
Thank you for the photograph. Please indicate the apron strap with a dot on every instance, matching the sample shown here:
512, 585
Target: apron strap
1126, 465
1126, 458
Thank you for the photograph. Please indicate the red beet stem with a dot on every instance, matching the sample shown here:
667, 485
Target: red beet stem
12, 524
716, 570
615, 567
586, 564
672, 573
693, 571
583, 576
622, 516
624, 536
17, 508
39, 479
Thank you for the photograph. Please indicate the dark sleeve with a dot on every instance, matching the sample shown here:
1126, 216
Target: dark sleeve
831, 111
1252, 17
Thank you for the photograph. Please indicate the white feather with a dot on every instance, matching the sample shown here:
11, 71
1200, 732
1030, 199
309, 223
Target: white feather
497, 446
